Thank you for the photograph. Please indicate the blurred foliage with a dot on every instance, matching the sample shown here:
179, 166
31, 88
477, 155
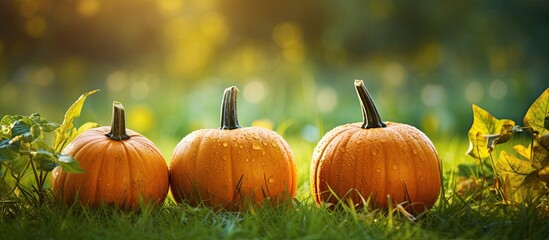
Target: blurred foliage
168, 61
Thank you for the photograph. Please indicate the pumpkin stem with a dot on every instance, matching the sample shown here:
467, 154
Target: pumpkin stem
370, 115
118, 127
229, 118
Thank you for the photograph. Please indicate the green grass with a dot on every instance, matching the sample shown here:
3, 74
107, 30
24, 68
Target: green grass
453, 217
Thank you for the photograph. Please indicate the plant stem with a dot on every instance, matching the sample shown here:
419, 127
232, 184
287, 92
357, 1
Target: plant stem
229, 117
370, 116
118, 127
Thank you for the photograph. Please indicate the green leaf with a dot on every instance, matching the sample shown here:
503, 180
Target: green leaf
10, 119
69, 164
8, 154
41, 122
20, 128
64, 134
537, 114
45, 159
494, 130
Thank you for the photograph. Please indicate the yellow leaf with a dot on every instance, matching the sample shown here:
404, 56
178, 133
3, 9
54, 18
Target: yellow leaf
65, 132
541, 151
494, 130
520, 178
536, 116
522, 151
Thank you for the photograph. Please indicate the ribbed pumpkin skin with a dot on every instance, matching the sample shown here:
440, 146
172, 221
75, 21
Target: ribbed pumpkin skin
395, 160
121, 173
231, 168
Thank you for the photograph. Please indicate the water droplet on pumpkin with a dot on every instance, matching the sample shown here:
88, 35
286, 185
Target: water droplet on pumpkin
256, 146
374, 153
358, 141
378, 170
394, 167
273, 144
241, 146
383, 140
421, 178
414, 152
263, 153
256, 137
225, 144
271, 179
247, 160
264, 143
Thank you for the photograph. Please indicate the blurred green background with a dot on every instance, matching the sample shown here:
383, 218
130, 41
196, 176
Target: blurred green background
168, 61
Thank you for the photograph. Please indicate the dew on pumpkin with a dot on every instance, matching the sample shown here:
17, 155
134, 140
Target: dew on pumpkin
262, 152
225, 144
378, 170
271, 179
256, 146
394, 167
264, 143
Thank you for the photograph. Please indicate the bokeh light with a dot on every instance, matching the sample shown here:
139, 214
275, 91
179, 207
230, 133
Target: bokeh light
424, 62
255, 91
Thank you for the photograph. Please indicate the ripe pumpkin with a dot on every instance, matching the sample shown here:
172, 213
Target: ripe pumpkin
376, 160
231, 167
122, 168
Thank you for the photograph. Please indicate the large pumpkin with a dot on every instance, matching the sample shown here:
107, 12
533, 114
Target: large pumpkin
372, 161
122, 168
232, 166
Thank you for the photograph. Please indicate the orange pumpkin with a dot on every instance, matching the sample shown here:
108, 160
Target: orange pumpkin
232, 166
122, 168
375, 161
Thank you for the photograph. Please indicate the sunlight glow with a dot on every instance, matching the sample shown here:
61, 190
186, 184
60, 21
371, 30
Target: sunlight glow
170, 6
310, 133
88, 8
36, 26
287, 36
140, 90
394, 74
116, 81
255, 91
263, 123
140, 118
433, 95
326, 99
474, 92
497, 89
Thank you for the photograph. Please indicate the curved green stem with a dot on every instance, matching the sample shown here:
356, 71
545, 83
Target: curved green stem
370, 116
118, 127
229, 117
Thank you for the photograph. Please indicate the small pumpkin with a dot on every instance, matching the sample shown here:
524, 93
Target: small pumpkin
231, 167
375, 160
122, 168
